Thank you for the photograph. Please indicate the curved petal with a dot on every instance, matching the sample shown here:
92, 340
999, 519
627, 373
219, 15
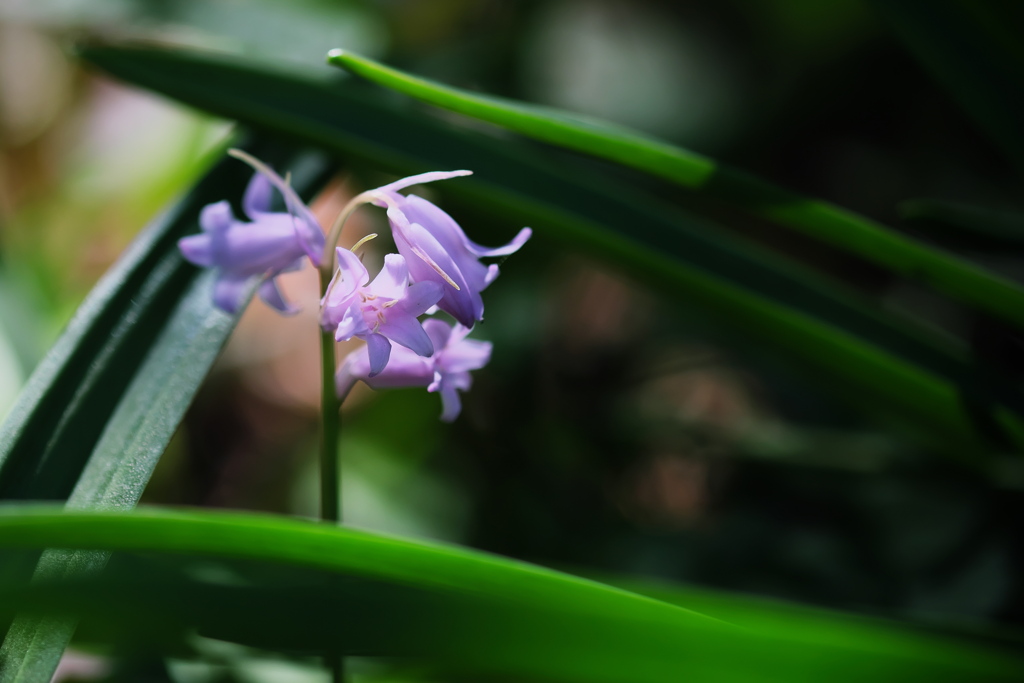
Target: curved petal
229, 290
307, 228
404, 369
216, 217
492, 274
258, 196
439, 332
350, 276
197, 249
466, 355
392, 279
450, 236
422, 253
265, 245
271, 295
407, 331
419, 298
379, 349
441, 226
512, 247
347, 323
429, 177
451, 403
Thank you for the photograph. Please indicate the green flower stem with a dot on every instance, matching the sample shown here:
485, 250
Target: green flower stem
330, 480
330, 428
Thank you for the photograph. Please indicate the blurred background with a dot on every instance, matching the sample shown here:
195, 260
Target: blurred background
607, 436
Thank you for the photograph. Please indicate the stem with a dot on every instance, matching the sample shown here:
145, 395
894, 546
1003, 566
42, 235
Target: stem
330, 428
330, 480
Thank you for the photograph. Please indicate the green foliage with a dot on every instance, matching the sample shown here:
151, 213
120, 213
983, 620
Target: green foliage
825, 222
474, 614
101, 408
881, 362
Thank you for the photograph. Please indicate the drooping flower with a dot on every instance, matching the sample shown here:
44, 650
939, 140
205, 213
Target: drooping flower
386, 310
446, 371
436, 248
271, 244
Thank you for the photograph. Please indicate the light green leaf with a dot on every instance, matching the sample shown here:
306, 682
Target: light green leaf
493, 616
102, 406
829, 223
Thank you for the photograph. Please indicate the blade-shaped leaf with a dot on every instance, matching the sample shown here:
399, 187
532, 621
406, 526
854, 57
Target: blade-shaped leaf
490, 615
113, 390
870, 355
824, 221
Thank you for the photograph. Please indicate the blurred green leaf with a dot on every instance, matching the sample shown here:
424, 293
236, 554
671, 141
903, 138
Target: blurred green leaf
470, 612
99, 411
973, 49
826, 222
866, 356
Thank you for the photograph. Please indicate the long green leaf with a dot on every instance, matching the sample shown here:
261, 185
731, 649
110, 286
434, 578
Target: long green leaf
869, 355
518, 619
829, 223
126, 369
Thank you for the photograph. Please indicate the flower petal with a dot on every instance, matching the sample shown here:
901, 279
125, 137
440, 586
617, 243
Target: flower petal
197, 249
468, 354
451, 403
271, 295
307, 228
439, 332
392, 279
492, 274
350, 276
404, 369
267, 245
348, 323
429, 177
512, 247
407, 331
379, 349
229, 290
415, 243
258, 196
419, 298
216, 217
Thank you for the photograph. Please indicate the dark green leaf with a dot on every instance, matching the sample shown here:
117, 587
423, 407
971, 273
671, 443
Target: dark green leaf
102, 406
826, 222
872, 357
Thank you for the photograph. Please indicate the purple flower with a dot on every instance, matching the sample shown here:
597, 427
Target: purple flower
437, 250
381, 312
271, 244
447, 371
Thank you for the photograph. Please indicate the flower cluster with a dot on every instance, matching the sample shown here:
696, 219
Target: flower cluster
437, 267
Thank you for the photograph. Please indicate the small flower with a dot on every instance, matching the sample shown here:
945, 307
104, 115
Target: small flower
447, 371
386, 310
436, 248
271, 244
